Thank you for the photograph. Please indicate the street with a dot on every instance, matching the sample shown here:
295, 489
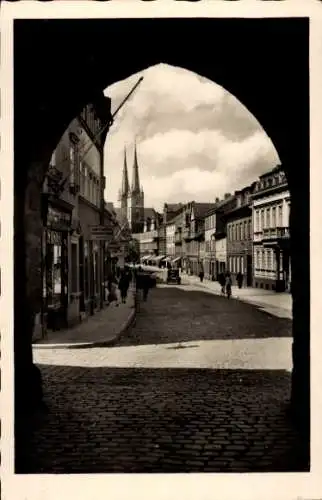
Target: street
200, 384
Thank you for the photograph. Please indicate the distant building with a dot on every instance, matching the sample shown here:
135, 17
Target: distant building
215, 260
271, 235
193, 235
240, 236
149, 238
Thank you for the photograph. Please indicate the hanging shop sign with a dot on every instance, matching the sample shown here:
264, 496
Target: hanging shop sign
58, 220
102, 233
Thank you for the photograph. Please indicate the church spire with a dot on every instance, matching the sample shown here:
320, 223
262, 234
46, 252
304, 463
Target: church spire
135, 174
125, 179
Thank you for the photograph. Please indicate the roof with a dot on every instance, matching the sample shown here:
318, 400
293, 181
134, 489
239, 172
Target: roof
173, 207
201, 209
149, 212
278, 168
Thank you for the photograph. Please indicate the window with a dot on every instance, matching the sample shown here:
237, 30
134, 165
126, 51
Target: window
246, 235
74, 268
72, 157
262, 222
98, 193
257, 221
86, 269
250, 229
268, 217
258, 258
241, 231
86, 182
274, 217
280, 216
288, 213
96, 269
269, 260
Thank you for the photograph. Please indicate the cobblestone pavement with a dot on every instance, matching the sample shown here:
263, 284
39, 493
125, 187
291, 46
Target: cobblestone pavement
112, 410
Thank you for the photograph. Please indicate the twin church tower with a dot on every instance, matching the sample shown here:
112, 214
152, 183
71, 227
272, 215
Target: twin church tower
132, 199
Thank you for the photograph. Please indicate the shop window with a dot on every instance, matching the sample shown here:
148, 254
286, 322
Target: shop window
96, 269
86, 269
74, 268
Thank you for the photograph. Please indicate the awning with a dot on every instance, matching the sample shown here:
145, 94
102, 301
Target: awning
168, 259
176, 260
146, 257
157, 258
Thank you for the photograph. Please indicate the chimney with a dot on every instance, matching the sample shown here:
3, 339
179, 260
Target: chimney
217, 200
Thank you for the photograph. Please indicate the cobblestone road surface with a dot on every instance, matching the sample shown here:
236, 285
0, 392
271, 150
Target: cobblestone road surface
171, 397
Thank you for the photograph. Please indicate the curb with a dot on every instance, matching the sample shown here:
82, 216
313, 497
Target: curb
127, 324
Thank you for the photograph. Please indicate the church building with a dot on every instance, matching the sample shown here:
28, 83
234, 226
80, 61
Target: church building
143, 222
132, 199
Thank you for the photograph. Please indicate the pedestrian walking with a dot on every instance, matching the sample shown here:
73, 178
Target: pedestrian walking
201, 276
112, 288
239, 279
124, 283
222, 282
145, 286
228, 283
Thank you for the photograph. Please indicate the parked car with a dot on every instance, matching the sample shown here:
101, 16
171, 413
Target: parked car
173, 276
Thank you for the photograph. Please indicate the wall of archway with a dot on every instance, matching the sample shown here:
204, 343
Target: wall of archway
69, 62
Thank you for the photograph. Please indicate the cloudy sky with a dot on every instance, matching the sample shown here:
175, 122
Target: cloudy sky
195, 141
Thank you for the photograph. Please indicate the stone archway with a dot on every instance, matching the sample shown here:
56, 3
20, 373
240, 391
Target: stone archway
70, 62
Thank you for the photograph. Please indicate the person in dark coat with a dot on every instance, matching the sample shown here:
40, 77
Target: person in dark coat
228, 284
239, 279
222, 282
124, 283
201, 276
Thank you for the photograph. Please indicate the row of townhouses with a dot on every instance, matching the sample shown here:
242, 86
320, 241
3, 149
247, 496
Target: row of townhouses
83, 239
246, 232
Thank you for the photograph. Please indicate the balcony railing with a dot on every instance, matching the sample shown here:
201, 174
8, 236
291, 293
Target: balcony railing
276, 233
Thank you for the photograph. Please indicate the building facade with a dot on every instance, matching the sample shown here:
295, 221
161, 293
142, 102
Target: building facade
73, 197
194, 246
149, 239
240, 237
271, 237
131, 199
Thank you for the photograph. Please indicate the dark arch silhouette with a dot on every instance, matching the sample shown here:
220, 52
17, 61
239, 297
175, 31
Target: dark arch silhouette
60, 65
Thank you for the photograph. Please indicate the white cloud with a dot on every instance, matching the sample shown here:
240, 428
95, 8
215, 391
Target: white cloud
164, 90
195, 140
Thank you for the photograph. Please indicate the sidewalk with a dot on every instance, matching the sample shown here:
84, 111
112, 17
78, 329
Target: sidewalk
278, 304
102, 329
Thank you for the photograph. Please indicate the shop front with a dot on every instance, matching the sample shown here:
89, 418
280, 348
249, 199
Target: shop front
56, 234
